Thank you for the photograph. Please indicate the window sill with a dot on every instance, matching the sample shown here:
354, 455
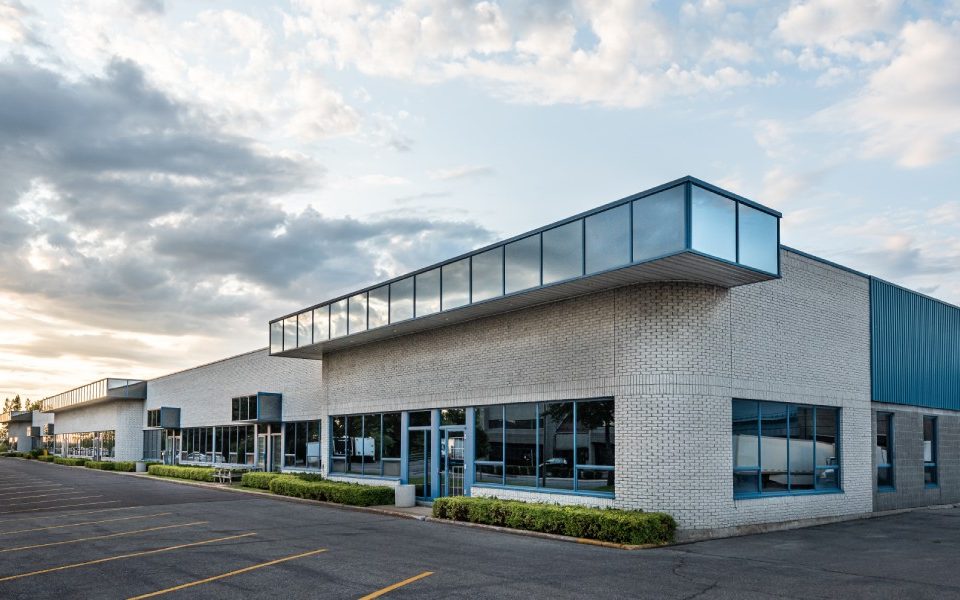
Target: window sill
359, 476
520, 488
787, 494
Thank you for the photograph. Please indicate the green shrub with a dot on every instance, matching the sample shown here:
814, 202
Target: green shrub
353, 494
194, 473
604, 524
47, 458
70, 462
259, 480
102, 465
309, 476
127, 466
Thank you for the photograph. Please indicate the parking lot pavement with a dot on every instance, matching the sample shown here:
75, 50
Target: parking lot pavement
115, 536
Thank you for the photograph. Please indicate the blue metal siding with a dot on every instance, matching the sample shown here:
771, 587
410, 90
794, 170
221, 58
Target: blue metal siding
915, 348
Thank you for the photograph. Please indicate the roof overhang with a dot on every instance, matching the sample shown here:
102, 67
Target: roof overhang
17, 416
98, 392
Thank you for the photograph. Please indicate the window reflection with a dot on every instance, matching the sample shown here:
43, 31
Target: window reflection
358, 313
276, 337
290, 333
487, 275
456, 284
338, 319
608, 239
713, 224
522, 264
401, 300
563, 252
659, 224
801, 447
321, 324
379, 300
428, 292
758, 239
305, 328
521, 448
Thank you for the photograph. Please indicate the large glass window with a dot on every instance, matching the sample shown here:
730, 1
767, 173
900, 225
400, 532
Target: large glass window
358, 313
305, 328
379, 306
565, 445
608, 239
563, 252
290, 333
930, 475
244, 408
522, 264
338, 440
338, 319
301, 445
321, 324
276, 337
713, 224
428, 292
757, 237
781, 448
391, 444
456, 284
487, 275
659, 224
153, 418
401, 300
883, 451
233, 444
366, 445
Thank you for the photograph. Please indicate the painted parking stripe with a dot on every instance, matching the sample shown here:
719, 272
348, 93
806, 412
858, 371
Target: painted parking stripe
191, 584
48, 527
58, 499
38, 486
27, 497
72, 514
399, 584
12, 512
102, 537
123, 556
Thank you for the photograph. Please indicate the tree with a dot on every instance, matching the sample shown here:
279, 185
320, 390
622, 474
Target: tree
35, 405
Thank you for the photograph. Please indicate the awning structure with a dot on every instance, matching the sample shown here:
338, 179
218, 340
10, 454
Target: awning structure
103, 390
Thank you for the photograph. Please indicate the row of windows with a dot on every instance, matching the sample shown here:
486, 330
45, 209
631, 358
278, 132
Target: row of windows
366, 444
228, 444
784, 448
153, 418
301, 445
243, 408
884, 452
551, 445
631, 232
91, 444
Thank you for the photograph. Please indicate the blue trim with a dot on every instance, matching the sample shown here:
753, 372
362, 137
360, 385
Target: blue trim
781, 494
885, 489
539, 490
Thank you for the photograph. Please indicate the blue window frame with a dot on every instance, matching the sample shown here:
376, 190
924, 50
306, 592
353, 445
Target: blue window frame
781, 448
930, 475
883, 451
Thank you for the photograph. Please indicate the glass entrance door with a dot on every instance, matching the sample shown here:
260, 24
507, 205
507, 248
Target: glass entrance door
419, 462
262, 451
276, 452
171, 450
269, 451
451, 462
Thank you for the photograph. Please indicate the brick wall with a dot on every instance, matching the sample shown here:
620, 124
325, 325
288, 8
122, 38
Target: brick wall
121, 416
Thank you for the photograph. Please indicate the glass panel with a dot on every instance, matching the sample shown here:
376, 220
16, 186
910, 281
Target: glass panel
453, 416
379, 306
358, 313
313, 445
489, 474
391, 436
595, 480
659, 224
276, 337
827, 437
305, 328
418, 473
930, 474
522, 264
884, 476
801, 447
420, 418
355, 444
428, 293
338, 432
713, 222
556, 445
608, 239
746, 448
746, 482
401, 300
883, 455
338, 319
773, 447
372, 444
391, 468
338, 465
289, 333
456, 284
487, 275
563, 252
488, 433
929, 425
828, 478
235, 409
521, 437
321, 324
758, 239
595, 433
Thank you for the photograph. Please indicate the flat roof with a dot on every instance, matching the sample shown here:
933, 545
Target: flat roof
103, 390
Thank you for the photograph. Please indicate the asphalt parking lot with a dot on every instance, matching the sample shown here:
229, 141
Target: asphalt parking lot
74, 532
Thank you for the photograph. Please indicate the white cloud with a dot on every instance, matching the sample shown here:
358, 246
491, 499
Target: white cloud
829, 22
461, 172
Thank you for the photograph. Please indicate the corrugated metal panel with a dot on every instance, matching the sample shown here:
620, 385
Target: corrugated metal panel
915, 348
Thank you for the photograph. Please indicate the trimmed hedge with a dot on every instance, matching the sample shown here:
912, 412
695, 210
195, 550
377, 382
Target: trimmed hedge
107, 465
353, 494
193, 473
604, 524
259, 480
70, 462
47, 458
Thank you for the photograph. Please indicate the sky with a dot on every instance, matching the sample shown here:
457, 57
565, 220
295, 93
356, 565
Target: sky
173, 174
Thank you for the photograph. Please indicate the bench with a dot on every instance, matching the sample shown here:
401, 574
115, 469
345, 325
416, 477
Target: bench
221, 475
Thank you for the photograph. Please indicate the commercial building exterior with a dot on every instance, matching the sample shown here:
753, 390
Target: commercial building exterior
25, 428
662, 352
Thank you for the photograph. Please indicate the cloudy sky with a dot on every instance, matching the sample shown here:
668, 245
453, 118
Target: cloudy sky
173, 174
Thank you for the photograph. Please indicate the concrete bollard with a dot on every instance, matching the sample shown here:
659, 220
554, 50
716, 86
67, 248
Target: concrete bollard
405, 496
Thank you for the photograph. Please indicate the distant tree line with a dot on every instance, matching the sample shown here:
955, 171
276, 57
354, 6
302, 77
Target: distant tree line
14, 404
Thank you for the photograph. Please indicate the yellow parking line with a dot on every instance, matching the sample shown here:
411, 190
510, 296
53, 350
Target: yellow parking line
225, 575
58, 500
73, 514
28, 496
101, 537
122, 556
399, 584
163, 514
11, 512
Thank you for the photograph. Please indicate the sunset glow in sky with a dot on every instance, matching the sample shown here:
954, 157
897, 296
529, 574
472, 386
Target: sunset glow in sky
173, 174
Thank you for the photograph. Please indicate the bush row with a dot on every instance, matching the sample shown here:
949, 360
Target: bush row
261, 480
353, 494
604, 524
193, 473
47, 458
106, 465
70, 462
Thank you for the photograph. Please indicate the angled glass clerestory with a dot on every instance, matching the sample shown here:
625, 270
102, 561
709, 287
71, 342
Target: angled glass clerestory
683, 217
